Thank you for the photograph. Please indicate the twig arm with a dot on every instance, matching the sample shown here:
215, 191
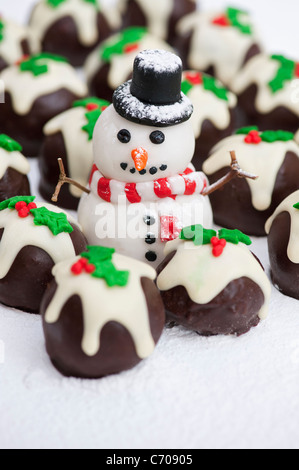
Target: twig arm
64, 179
235, 172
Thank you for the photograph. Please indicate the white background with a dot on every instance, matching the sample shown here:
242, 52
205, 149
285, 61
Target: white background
193, 392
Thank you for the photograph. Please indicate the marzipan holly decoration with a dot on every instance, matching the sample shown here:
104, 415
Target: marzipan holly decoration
287, 71
127, 42
208, 83
201, 236
253, 136
296, 206
25, 206
39, 64
232, 18
97, 262
2, 27
9, 144
94, 108
57, 3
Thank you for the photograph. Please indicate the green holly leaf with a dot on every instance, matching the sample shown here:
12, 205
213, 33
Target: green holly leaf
55, 3
211, 84
56, 222
186, 87
285, 73
2, 27
233, 14
9, 144
234, 236
197, 234
101, 258
92, 115
11, 203
39, 64
277, 136
296, 206
127, 37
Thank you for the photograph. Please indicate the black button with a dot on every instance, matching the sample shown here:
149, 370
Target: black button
151, 256
149, 220
150, 239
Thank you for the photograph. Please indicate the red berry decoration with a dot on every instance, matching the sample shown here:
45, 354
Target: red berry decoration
222, 21
297, 70
92, 106
194, 78
218, 246
131, 48
82, 265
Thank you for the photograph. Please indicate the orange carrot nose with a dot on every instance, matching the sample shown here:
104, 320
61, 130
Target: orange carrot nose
140, 157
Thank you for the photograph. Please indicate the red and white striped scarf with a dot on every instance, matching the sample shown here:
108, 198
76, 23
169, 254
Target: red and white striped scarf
188, 183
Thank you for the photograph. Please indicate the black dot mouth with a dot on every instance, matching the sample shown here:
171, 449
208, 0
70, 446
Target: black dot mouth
153, 170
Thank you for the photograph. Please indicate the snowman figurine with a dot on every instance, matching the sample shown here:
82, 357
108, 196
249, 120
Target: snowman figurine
143, 187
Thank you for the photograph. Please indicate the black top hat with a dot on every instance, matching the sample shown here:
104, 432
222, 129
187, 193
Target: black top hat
153, 97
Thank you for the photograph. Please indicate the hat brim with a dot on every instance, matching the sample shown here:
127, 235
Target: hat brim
132, 109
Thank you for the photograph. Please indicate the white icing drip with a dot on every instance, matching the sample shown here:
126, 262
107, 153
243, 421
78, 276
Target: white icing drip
263, 160
208, 107
25, 88
205, 276
14, 160
121, 65
103, 304
82, 12
260, 71
19, 233
287, 206
78, 147
223, 48
10, 46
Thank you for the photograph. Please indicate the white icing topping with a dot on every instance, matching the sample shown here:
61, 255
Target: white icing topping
82, 12
19, 233
25, 88
287, 206
13, 35
121, 65
205, 276
207, 106
260, 71
157, 13
14, 160
78, 147
263, 160
224, 48
102, 304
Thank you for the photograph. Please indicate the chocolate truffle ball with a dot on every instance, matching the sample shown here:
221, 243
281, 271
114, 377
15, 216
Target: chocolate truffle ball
69, 136
33, 237
160, 17
273, 156
214, 113
267, 93
212, 284
15, 42
36, 90
14, 168
110, 65
283, 235
102, 314
73, 28
217, 43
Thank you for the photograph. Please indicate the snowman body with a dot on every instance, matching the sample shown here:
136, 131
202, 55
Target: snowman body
143, 188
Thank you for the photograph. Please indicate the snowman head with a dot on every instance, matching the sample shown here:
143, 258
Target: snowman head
146, 134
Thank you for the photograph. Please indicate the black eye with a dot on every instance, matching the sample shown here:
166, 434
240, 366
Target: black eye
157, 137
124, 136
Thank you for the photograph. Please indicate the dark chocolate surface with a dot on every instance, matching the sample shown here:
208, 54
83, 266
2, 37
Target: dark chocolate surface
13, 184
285, 274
